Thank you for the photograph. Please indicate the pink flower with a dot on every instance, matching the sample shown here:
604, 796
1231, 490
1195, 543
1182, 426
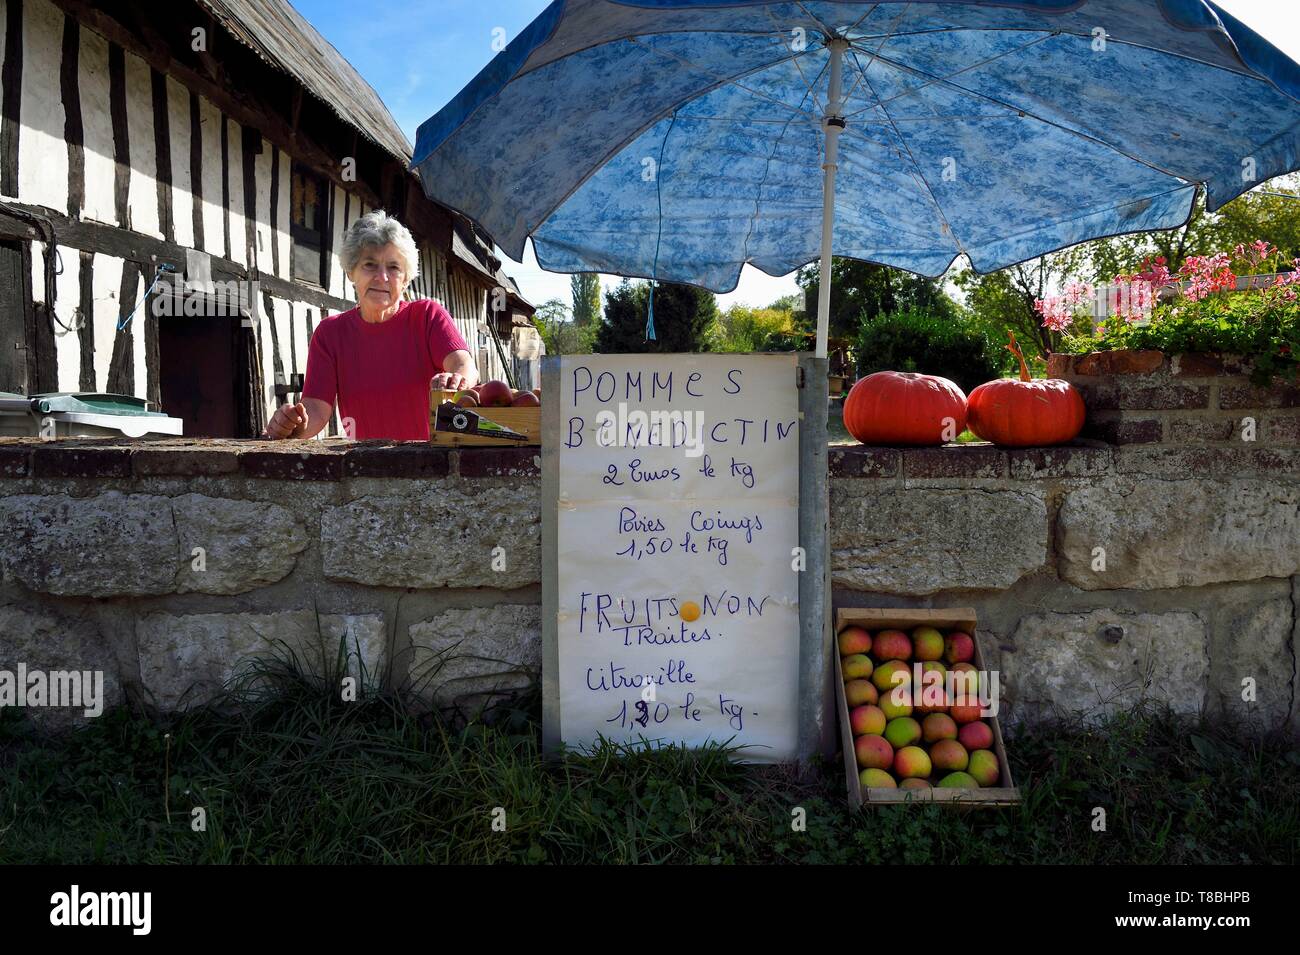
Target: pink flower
1206, 275
1078, 293
1055, 312
1133, 298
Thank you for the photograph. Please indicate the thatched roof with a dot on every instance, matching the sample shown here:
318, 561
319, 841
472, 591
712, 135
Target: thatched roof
277, 33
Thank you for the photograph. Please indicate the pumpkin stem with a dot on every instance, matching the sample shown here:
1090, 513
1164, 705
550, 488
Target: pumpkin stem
1020, 356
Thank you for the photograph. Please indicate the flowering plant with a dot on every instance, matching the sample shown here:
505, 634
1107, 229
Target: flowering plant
1197, 309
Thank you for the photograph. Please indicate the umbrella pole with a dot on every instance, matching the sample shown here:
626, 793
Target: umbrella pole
834, 125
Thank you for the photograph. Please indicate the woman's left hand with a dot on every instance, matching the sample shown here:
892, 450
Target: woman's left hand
450, 381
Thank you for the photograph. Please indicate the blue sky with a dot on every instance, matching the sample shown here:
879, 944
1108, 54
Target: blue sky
419, 53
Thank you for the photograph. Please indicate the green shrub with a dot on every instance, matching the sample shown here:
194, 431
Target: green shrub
745, 329
918, 342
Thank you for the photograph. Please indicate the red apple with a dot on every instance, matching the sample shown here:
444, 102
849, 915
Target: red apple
893, 645
948, 754
959, 647
927, 643
867, 721
968, 713
876, 779
860, 692
526, 399
975, 736
874, 752
854, 640
466, 399
912, 762
939, 726
984, 767
857, 667
495, 394
891, 674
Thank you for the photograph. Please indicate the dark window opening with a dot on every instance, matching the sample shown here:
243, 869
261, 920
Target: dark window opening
203, 374
309, 218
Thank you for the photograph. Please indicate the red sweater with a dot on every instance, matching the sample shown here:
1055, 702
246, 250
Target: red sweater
380, 373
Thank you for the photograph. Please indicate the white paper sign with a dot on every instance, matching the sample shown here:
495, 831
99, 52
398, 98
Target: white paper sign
679, 499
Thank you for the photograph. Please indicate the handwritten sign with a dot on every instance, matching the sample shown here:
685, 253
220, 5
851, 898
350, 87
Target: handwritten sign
677, 606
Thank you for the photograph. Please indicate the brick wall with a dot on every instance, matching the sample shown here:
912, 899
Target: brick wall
1146, 397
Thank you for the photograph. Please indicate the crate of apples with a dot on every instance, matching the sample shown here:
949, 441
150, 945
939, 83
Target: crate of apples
497, 394
517, 409
913, 692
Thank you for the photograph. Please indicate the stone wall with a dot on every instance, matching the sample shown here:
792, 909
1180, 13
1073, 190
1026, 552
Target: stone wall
167, 563
1099, 573
1147, 397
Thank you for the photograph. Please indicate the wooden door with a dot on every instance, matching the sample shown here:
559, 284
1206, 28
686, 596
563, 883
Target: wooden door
16, 319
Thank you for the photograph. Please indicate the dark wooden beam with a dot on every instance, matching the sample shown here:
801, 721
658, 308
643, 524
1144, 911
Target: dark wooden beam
73, 134
11, 78
121, 367
225, 184
250, 148
327, 240
196, 167
275, 210
86, 328
162, 142
148, 252
121, 137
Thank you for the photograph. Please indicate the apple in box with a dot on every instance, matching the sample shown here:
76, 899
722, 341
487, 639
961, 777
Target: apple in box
526, 399
495, 394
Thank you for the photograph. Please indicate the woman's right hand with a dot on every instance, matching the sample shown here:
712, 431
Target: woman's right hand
289, 421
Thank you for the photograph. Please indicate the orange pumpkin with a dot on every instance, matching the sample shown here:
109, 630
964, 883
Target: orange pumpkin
898, 407
1025, 413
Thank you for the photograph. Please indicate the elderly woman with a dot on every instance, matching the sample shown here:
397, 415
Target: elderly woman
378, 359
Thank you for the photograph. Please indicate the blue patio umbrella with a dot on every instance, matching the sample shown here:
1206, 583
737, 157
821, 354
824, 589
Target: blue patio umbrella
680, 139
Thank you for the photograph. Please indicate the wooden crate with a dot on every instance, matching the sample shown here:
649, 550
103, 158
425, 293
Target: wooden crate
873, 619
527, 421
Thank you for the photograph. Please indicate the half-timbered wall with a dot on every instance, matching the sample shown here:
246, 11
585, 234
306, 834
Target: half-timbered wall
93, 133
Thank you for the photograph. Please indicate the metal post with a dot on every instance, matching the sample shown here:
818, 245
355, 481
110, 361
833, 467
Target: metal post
834, 125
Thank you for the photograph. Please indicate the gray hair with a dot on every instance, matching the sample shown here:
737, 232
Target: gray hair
375, 230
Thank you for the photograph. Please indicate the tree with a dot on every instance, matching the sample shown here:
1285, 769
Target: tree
864, 289
1005, 299
560, 335
685, 319
789, 303
745, 329
586, 297
550, 313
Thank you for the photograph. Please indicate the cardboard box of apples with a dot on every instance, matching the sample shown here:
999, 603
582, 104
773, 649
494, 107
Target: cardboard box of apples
914, 725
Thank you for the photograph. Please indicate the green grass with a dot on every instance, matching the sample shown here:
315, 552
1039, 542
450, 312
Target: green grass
303, 778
